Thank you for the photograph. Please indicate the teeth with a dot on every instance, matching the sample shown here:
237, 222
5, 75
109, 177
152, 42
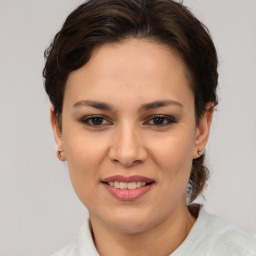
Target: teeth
125, 185
132, 185
116, 184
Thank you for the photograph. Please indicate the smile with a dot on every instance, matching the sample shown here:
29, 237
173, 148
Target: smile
128, 188
125, 185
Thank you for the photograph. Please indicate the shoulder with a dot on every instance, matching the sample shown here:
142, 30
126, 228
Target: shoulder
82, 245
212, 235
227, 238
236, 240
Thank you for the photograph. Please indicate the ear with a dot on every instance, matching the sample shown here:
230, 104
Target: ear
203, 129
57, 135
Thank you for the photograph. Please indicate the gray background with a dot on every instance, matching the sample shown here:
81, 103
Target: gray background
39, 211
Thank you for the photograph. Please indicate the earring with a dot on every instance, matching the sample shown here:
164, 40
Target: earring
59, 154
200, 151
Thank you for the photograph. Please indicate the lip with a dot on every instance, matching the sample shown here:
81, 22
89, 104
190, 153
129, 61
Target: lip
128, 194
127, 179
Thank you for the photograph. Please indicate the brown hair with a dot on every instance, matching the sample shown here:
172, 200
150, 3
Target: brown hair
98, 22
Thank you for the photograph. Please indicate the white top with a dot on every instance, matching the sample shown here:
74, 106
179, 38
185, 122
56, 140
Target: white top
210, 236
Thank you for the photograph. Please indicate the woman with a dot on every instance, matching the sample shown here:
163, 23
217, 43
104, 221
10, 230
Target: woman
133, 89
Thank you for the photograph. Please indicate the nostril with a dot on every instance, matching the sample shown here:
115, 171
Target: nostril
127, 153
125, 163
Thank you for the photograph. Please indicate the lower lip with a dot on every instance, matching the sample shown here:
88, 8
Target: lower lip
128, 194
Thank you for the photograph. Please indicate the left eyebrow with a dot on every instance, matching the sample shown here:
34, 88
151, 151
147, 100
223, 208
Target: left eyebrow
144, 107
158, 104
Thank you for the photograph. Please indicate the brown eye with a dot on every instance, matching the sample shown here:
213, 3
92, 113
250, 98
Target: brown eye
160, 120
95, 121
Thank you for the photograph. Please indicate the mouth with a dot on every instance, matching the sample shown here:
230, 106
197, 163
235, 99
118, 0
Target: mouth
128, 185
127, 188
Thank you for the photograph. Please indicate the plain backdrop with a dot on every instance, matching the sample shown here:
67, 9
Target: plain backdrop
39, 212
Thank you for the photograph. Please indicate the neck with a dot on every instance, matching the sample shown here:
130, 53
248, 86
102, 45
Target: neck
169, 233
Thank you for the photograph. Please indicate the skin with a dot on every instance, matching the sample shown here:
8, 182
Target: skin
130, 142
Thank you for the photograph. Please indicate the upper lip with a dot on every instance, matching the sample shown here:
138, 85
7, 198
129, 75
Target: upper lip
127, 179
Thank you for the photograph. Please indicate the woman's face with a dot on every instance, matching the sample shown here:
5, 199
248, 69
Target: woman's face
128, 119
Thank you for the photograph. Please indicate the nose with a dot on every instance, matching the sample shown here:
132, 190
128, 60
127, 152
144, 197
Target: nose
127, 147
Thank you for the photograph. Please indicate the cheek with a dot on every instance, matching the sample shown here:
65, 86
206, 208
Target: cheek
83, 149
174, 147
173, 154
85, 155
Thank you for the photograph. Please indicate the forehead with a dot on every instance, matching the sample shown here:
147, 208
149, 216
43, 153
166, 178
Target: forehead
135, 67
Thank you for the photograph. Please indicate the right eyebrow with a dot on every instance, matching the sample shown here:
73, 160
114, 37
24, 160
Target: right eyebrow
94, 104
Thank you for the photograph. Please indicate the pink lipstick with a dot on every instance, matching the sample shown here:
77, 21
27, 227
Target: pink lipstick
127, 188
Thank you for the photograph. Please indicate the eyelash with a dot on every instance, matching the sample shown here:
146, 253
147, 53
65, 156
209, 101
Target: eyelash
167, 120
89, 119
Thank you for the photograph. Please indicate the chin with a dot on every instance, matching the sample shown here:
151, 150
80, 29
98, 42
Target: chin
131, 225
132, 220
